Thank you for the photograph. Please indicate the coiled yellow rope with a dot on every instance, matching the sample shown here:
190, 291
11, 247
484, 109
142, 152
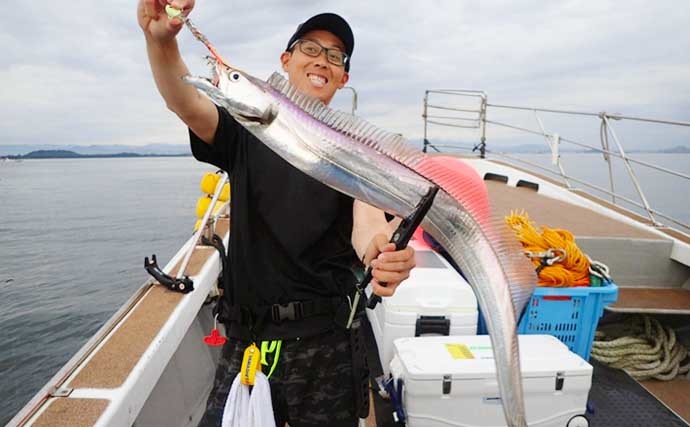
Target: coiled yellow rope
571, 271
642, 347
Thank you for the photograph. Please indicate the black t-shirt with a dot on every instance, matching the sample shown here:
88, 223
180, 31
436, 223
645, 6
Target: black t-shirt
290, 235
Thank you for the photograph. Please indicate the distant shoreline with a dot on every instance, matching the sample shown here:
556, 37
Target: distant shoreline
66, 154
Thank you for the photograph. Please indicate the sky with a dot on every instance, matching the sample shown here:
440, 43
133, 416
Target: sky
77, 72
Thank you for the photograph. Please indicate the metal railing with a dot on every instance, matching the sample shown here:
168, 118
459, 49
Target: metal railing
354, 98
476, 117
471, 123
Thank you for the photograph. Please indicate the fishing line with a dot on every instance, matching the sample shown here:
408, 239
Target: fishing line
174, 13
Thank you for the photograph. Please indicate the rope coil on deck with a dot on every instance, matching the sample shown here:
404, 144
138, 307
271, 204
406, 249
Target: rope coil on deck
556, 257
642, 347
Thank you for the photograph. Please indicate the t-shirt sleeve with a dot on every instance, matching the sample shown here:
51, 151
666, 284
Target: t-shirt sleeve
226, 140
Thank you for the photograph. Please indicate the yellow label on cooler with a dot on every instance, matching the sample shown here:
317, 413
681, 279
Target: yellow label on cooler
251, 362
459, 351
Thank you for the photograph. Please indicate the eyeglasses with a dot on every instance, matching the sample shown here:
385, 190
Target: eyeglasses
311, 48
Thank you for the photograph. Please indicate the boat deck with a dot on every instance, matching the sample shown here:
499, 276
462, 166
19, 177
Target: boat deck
556, 213
660, 290
72, 412
674, 394
616, 399
591, 225
652, 300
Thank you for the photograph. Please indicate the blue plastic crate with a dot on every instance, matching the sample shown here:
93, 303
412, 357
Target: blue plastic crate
569, 314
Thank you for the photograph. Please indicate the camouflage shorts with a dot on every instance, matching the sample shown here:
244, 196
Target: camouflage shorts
310, 386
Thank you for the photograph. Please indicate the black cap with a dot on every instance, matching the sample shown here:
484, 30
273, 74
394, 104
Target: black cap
333, 24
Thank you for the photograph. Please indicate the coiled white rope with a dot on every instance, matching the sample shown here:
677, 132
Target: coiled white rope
642, 347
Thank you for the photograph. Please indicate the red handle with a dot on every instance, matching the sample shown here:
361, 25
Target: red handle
557, 297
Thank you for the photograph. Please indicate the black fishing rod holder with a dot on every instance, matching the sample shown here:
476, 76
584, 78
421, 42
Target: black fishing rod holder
183, 284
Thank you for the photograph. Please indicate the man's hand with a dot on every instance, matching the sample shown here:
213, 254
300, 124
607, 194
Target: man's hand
389, 266
154, 21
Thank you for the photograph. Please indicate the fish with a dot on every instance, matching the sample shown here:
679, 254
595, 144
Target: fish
382, 169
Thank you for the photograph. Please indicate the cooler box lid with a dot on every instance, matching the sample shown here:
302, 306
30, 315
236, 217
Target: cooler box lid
433, 287
471, 357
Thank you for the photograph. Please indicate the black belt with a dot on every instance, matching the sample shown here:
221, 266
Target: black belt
278, 313
298, 310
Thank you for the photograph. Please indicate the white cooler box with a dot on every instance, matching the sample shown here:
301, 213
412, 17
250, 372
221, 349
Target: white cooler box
451, 381
435, 299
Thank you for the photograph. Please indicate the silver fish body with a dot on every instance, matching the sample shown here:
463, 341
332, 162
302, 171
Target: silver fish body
347, 163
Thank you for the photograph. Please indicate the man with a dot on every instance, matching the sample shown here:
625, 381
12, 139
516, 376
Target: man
294, 241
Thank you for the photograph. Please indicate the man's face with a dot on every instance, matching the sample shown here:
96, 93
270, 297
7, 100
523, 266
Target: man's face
315, 76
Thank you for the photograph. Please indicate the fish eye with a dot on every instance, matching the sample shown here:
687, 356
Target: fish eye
235, 76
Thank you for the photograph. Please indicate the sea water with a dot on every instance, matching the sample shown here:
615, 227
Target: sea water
73, 237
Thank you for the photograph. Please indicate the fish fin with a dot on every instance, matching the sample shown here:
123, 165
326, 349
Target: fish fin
391, 144
461, 182
465, 185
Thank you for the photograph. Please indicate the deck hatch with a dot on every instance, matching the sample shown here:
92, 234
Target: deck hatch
528, 184
495, 177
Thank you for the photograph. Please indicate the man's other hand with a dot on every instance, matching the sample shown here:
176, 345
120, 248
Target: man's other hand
389, 267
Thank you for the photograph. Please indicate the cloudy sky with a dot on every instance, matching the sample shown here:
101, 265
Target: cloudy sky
76, 72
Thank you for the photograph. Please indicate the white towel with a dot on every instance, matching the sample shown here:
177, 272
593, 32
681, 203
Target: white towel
245, 410
260, 405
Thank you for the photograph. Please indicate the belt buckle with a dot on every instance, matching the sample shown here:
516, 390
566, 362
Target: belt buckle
289, 311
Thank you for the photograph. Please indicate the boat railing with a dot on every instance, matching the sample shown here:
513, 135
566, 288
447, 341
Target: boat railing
474, 110
354, 99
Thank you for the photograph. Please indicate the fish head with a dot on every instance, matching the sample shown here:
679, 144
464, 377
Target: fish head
245, 97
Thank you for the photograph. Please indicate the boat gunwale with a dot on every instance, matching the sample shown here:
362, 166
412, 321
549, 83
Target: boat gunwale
77, 362
48, 391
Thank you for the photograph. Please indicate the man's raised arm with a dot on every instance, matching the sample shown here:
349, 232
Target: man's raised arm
167, 67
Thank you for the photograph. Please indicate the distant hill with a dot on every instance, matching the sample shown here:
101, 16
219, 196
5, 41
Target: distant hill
50, 154
677, 149
67, 154
149, 149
